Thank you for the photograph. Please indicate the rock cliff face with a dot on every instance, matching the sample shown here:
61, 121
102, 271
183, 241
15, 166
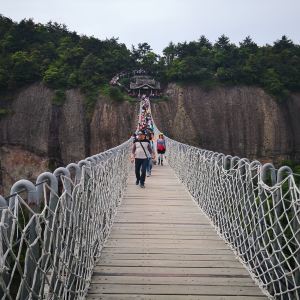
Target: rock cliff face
17, 163
243, 121
112, 123
39, 135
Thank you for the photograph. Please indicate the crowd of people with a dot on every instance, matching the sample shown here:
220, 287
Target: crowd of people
145, 146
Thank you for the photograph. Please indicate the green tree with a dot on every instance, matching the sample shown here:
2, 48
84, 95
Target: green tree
283, 44
271, 82
224, 74
23, 68
170, 53
55, 76
176, 70
140, 52
204, 42
223, 42
5, 25
249, 45
91, 69
150, 61
4, 77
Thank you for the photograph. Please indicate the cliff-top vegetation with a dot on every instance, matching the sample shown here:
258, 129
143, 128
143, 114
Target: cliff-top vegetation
62, 59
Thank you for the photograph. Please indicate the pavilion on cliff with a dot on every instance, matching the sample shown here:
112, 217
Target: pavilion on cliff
144, 84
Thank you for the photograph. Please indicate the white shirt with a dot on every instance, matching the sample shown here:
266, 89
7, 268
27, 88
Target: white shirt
138, 150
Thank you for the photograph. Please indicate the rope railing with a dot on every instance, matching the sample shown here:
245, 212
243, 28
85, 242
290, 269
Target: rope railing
255, 209
51, 233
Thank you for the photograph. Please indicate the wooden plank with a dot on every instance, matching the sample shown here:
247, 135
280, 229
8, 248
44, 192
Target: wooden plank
184, 235
169, 263
141, 208
163, 231
161, 214
161, 202
166, 243
169, 297
160, 219
165, 250
159, 210
163, 234
157, 226
165, 216
166, 240
168, 256
159, 223
170, 271
163, 227
174, 290
165, 237
150, 245
219, 281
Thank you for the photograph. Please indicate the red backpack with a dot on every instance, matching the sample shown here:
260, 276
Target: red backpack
161, 145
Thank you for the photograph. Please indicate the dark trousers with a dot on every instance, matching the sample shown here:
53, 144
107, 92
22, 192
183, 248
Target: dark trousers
140, 164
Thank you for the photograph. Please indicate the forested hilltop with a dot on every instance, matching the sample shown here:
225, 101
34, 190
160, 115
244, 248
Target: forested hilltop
63, 59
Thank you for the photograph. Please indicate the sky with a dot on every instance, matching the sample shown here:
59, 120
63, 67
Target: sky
159, 22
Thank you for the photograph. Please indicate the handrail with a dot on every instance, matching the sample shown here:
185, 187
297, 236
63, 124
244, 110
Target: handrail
48, 248
255, 209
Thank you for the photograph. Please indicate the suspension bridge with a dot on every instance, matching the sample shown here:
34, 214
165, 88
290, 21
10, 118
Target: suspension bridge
207, 226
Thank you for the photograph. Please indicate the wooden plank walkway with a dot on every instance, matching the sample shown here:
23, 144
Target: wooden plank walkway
162, 247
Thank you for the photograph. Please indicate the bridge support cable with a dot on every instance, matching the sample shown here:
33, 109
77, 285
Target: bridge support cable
255, 209
53, 232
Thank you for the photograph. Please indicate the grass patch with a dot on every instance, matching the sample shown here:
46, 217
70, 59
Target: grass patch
130, 99
4, 112
116, 94
104, 89
90, 102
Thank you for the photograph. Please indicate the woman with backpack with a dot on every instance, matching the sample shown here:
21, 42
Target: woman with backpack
161, 148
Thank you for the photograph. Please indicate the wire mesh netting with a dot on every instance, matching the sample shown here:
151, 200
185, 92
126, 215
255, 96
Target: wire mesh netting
254, 207
52, 235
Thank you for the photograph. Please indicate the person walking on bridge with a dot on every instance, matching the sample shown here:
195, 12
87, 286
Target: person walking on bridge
161, 148
152, 158
141, 151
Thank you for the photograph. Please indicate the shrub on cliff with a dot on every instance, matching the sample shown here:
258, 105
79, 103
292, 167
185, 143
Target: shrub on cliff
4, 112
59, 97
116, 94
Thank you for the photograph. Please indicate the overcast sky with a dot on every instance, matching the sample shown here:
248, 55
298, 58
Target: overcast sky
158, 22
